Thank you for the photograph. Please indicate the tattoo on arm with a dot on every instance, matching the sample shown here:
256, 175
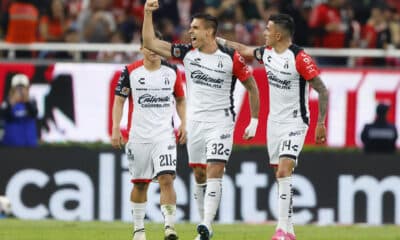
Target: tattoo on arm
319, 86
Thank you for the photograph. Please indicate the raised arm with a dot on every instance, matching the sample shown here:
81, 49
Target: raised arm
319, 86
251, 86
245, 51
150, 41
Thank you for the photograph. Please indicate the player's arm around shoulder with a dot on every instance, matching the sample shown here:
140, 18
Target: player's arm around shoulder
254, 99
150, 41
245, 51
323, 96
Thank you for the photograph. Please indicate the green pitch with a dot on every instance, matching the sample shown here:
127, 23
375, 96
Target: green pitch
11, 229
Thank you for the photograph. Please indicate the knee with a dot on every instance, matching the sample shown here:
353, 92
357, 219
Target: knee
165, 180
141, 187
215, 170
283, 172
200, 174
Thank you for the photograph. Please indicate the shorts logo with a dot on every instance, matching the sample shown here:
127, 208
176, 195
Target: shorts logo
296, 133
225, 136
170, 147
130, 155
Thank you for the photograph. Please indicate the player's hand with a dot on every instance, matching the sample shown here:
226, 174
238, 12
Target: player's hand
320, 133
182, 134
151, 5
251, 129
116, 139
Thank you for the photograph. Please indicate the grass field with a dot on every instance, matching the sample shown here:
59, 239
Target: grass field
11, 229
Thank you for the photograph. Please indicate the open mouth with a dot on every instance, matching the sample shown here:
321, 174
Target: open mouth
193, 39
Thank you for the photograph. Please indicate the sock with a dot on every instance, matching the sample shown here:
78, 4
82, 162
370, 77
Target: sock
138, 213
212, 199
168, 211
199, 192
284, 191
290, 228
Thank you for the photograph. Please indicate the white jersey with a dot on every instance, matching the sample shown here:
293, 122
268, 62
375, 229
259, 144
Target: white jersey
153, 95
210, 80
287, 74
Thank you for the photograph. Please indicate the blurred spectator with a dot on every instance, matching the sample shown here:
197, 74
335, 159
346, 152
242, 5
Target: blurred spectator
111, 56
380, 136
168, 9
19, 113
329, 29
301, 12
376, 34
97, 23
53, 25
22, 25
23, 19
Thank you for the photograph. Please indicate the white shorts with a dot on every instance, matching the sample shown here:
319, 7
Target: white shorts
147, 161
285, 140
209, 141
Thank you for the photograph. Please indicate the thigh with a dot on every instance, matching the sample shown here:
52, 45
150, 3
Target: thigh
139, 161
273, 141
292, 140
219, 141
196, 146
164, 158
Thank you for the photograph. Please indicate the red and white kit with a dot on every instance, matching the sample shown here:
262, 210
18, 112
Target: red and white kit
151, 148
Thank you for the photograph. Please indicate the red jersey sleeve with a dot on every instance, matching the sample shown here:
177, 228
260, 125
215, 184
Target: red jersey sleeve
306, 66
178, 88
240, 69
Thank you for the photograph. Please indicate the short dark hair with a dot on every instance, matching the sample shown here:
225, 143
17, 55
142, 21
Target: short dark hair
284, 21
210, 20
158, 35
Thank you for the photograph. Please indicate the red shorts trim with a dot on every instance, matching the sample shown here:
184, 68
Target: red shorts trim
141, 180
202, 165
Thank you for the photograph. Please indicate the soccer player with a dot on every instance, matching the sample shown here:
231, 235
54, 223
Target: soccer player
290, 71
155, 87
211, 72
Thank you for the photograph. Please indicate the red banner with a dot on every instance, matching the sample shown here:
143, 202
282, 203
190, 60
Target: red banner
75, 101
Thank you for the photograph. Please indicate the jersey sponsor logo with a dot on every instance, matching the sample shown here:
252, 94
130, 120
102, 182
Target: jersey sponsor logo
204, 79
269, 58
197, 60
141, 80
278, 83
148, 100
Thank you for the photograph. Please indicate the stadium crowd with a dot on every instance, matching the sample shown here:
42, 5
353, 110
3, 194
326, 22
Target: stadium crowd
319, 23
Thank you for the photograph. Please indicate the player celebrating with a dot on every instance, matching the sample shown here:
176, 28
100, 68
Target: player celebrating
151, 149
289, 70
211, 72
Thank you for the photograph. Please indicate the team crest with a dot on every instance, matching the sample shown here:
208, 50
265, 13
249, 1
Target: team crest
125, 91
258, 54
176, 52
